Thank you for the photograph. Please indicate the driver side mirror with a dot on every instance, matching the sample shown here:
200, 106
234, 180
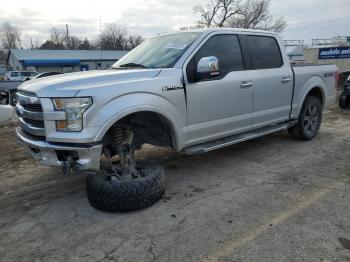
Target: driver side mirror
208, 67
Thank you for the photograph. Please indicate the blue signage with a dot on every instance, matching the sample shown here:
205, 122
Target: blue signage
334, 53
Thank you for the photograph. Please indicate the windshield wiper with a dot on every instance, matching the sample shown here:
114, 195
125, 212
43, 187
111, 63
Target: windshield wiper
133, 65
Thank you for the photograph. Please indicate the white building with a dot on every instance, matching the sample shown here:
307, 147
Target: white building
62, 60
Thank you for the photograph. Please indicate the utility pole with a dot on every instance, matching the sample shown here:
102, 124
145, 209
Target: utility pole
100, 43
31, 43
67, 36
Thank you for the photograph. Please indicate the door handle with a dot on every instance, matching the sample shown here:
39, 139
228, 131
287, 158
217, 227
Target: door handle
246, 84
286, 79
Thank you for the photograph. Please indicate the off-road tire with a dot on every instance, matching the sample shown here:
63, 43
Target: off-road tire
302, 130
343, 100
126, 195
13, 98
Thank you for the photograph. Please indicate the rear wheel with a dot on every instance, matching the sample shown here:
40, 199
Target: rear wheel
309, 121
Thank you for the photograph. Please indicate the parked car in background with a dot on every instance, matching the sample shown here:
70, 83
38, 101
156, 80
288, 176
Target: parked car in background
7, 112
44, 75
20, 75
344, 98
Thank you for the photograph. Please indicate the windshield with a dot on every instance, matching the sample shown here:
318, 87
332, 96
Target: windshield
158, 52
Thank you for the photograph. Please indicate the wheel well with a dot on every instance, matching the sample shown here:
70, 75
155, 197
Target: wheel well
148, 127
317, 92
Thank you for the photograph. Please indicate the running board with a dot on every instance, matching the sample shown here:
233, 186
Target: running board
228, 141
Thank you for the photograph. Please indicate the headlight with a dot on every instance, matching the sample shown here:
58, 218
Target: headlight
74, 108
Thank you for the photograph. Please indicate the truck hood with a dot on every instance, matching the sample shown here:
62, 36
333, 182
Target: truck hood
68, 85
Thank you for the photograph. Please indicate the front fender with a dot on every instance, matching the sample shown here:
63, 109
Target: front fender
125, 105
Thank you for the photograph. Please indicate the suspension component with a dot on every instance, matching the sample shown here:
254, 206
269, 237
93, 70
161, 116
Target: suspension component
118, 137
122, 144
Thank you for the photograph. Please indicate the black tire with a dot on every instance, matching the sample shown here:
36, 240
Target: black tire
309, 121
126, 195
342, 100
13, 98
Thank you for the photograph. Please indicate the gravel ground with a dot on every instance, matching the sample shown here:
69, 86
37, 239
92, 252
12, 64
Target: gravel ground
270, 199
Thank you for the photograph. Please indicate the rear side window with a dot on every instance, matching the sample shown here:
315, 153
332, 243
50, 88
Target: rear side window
14, 74
26, 74
265, 52
227, 49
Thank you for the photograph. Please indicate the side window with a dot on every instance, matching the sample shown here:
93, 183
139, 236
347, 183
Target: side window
226, 48
265, 52
14, 74
25, 74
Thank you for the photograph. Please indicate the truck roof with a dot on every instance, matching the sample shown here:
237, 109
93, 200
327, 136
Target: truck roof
226, 29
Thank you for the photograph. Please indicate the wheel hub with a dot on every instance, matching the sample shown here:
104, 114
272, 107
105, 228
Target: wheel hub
311, 118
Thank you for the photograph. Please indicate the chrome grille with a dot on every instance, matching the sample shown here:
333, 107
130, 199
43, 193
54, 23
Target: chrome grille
30, 114
36, 108
35, 123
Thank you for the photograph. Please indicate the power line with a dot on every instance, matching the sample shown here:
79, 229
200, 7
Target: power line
320, 23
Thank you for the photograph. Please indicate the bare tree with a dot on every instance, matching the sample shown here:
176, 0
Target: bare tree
217, 12
57, 37
116, 37
134, 41
86, 45
30, 42
10, 36
252, 14
74, 43
255, 14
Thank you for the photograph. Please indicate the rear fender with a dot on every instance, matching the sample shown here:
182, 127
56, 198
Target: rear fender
300, 95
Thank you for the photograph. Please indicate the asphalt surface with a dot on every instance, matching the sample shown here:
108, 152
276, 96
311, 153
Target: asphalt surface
270, 199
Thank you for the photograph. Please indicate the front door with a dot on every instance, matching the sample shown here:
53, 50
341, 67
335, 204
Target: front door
222, 105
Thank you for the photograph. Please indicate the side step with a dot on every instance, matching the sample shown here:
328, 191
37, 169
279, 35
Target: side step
231, 140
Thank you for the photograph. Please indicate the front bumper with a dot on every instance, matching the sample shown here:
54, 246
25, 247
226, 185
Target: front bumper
50, 154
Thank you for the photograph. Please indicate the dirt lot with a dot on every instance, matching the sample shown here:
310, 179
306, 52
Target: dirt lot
271, 199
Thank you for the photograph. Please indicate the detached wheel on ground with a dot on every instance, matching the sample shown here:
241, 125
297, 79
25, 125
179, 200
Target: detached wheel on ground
309, 121
113, 193
13, 98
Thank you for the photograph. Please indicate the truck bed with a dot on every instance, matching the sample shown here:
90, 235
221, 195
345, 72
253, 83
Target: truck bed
306, 75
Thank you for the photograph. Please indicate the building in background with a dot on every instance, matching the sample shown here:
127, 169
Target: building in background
62, 60
334, 50
295, 49
330, 55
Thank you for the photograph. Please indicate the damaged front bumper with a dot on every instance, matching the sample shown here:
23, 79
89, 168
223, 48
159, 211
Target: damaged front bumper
85, 157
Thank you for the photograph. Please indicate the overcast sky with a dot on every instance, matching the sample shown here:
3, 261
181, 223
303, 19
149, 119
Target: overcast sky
306, 19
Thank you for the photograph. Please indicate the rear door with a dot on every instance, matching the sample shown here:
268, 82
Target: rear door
219, 106
272, 79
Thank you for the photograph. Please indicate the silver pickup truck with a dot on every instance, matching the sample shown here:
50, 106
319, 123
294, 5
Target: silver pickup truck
194, 91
